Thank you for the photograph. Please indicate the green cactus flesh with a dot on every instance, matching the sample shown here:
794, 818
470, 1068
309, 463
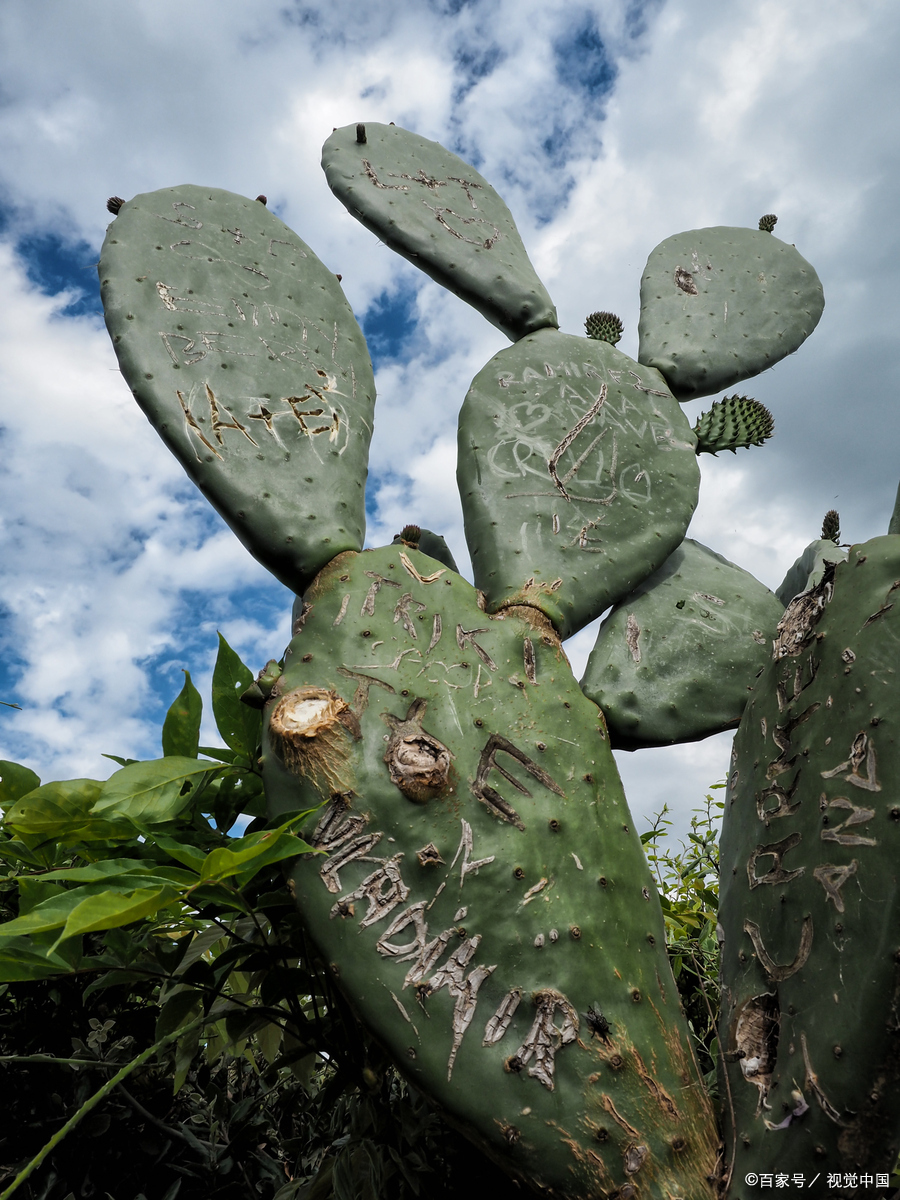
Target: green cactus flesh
720, 305
437, 211
240, 347
674, 661
429, 543
482, 896
810, 899
809, 568
733, 423
577, 474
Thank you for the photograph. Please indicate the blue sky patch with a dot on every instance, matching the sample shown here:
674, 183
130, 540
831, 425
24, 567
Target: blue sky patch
389, 322
583, 61
56, 265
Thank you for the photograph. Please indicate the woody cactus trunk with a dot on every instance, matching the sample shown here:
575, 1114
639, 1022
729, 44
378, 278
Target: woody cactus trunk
478, 887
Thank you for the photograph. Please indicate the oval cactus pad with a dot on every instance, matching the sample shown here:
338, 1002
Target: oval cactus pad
675, 660
577, 473
810, 909
720, 305
480, 893
241, 349
437, 211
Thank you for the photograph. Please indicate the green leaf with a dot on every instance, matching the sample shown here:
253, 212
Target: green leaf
251, 854
15, 781
117, 758
151, 792
49, 913
181, 728
110, 910
62, 811
221, 753
20, 962
239, 725
125, 872
189, 856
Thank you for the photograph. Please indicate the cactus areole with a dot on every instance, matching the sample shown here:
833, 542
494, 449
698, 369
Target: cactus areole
478, 887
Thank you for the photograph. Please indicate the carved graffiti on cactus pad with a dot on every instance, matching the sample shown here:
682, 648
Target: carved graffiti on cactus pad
488, 762
546, 1038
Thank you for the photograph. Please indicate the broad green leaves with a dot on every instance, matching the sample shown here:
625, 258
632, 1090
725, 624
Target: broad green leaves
181, 728
238, 724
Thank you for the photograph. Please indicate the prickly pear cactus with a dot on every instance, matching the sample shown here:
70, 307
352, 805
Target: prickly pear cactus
720, 305
481, 895
238, 344
479, 889
675, 660
810, 907
578, 476
437, 211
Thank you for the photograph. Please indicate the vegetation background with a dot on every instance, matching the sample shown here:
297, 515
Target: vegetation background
166, 1029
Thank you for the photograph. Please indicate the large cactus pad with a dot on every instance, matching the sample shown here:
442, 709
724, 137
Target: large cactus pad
810, 902
577, 474
675, 660
438, 212
720, 305
482, 896
240, 347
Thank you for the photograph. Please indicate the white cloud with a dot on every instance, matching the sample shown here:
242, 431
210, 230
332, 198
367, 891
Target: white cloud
719, 113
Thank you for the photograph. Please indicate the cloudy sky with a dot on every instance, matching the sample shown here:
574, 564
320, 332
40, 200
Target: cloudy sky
605, 125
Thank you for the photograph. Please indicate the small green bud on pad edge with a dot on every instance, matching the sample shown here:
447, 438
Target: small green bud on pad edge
438, 212
481, 885
578, 476
675, 660
733, 423
720, 305
240, 347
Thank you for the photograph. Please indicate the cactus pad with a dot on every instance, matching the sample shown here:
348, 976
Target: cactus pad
720, 305
809, 568
241, 349
482, 897
577, 474
733, 423
429, 543
438, 212
674, 661
810, 910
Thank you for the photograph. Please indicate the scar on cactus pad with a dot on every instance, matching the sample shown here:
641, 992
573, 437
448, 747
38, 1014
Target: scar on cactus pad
480, 894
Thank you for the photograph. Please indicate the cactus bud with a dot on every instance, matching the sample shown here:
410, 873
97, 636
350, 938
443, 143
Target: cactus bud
604, 327
831, 527
114, 203
410, 534
768, 222
733, 422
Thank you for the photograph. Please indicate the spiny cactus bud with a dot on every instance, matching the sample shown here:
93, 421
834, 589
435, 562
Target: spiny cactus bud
262, 199
114, 203
831, 527
733, 422
604, 327
768, 222
410, 534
